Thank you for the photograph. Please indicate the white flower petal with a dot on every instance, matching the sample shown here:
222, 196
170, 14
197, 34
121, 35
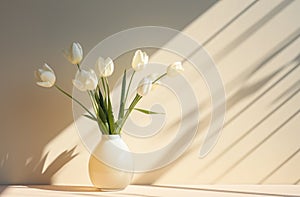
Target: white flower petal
46, 76
139, 60
45, 84
47, 67
144, 87
75, 53
174, 69
86, 79
78, 85
104, 68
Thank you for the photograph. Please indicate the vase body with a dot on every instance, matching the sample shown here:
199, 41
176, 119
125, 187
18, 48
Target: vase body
111, 177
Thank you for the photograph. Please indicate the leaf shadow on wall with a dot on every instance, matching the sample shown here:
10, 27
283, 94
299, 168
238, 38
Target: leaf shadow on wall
33, 168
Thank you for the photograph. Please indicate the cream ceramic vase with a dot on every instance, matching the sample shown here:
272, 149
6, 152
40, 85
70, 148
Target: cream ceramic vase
111, 150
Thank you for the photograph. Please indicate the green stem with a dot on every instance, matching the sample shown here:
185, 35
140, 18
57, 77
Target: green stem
74, 99
104, 87
136, 99
78, 66
96, 109
161, 76
129, 87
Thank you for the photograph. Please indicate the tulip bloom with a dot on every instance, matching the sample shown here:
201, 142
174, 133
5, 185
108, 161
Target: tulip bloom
46, 76
144, 86
140, 59
75, 53
104, 68
85, 80
174, 69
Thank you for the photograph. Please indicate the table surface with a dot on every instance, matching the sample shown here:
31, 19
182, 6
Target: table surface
153, 191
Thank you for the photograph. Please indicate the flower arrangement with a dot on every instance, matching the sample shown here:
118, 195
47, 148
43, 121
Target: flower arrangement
95, 83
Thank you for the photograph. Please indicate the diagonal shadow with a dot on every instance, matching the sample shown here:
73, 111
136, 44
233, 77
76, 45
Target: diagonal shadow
297, 182
246, 75
257, 146
296, 85
248, 90
277, 50
223, 191
261, 95
236, 17
233, 100
279, 166
251, 30
250, 130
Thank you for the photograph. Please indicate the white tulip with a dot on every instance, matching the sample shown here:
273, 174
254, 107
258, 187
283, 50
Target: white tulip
104, 68
174, 69
144, 86
139, 60
75, 53
85, 80
46, 76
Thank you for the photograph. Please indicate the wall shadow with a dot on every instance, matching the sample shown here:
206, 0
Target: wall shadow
34, 30
235, 164
279, 166
33, 169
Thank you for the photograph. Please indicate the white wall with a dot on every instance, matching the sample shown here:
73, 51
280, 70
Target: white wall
254, 49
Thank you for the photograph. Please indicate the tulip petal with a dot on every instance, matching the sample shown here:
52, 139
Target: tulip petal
174, 69
144, 87
47, 67
104, 68
45, 76
139, 60
78, 85
74, 54
45, 84
86, 79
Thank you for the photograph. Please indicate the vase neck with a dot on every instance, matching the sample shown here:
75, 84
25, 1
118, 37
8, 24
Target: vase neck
111, 137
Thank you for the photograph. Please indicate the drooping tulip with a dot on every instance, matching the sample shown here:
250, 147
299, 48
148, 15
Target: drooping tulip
144, 86
139, 60
104, 68
174, 69
86, 79
75, 53
46, 76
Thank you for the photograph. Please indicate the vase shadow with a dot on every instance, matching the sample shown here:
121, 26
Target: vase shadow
66, 188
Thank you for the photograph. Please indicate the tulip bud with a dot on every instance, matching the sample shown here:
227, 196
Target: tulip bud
104, 68
174, 69
86, 79
139, 60
75, 53
46, 76
144, 86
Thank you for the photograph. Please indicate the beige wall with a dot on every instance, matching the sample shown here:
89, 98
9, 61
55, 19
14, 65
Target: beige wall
254, 44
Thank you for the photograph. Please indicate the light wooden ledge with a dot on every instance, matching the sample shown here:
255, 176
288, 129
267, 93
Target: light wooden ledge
153, 191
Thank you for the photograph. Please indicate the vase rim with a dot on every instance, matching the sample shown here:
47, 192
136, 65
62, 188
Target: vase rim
111, 136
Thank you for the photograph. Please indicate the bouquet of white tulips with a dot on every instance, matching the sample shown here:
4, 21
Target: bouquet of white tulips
95, 83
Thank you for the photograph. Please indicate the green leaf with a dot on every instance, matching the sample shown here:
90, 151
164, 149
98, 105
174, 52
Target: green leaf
101, 100
90, 117
110, 115
147, 111
122, 100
